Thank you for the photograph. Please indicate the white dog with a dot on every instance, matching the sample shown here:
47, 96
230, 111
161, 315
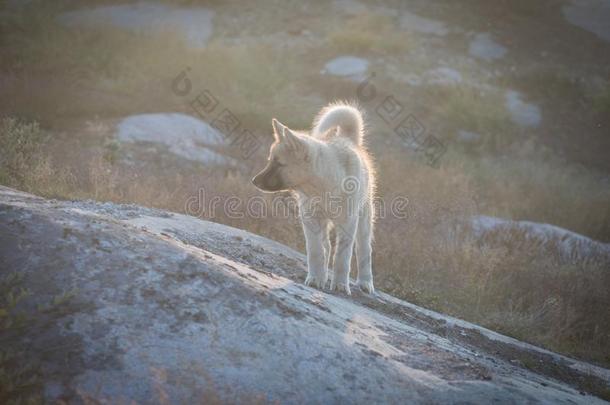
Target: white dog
333, 178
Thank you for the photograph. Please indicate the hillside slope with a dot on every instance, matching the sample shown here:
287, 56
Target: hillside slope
132, 304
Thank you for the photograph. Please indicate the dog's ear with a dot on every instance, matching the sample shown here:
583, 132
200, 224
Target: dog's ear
294, 143
278, 129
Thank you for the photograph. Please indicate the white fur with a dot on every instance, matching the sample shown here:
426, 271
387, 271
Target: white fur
346, 117
319, 168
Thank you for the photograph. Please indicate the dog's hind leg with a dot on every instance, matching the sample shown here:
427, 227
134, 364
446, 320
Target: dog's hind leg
328, 249
346, 232
364, 236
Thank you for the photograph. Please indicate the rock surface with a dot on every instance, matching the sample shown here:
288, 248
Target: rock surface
414, 22
181, 134
484, 47
347, 66
467, 137
162, 307
570, 245
590, 15
522, 113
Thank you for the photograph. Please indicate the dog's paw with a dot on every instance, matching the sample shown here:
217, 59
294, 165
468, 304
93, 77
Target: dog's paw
318, 282
366, 286
341, 287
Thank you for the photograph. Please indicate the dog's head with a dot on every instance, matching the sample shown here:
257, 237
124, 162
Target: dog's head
288, 161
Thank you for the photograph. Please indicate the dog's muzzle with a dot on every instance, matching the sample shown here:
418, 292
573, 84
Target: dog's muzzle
269, 178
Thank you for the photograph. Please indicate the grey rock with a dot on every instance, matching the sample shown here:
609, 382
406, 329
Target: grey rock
467, 137
571, 246
347, 66
413, 22
590, 15
522, 113
167, 308
484, 47
181, 134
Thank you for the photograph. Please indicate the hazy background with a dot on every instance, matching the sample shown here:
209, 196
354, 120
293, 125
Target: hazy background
510, 99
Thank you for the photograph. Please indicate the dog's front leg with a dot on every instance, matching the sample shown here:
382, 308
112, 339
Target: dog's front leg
317, 273
346, 233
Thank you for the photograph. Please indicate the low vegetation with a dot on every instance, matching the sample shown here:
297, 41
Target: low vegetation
366, 33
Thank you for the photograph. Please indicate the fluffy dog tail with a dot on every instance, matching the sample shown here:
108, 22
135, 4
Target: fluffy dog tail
344, 116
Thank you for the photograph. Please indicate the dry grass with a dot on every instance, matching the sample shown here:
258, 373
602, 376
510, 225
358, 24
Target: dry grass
480, 111
366, 33
112, 72
511, 173
24, 165
537, 186
514, 287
